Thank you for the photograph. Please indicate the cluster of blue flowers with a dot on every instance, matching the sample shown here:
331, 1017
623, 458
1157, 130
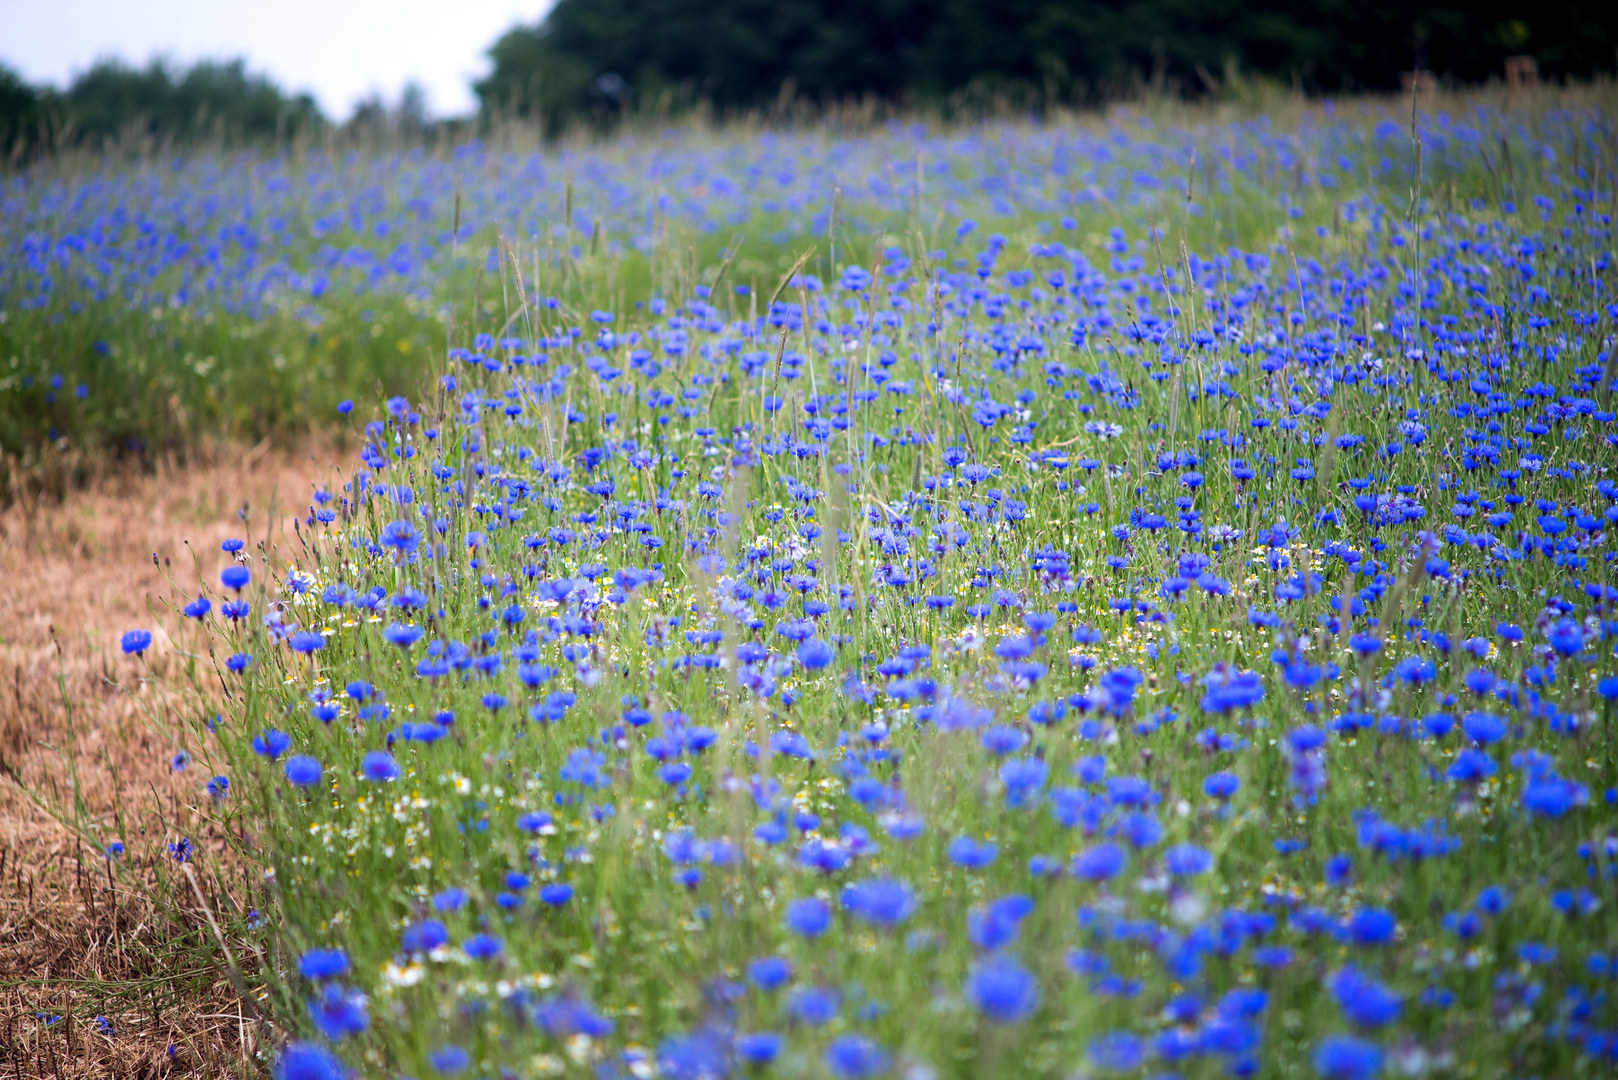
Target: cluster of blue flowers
1078, 652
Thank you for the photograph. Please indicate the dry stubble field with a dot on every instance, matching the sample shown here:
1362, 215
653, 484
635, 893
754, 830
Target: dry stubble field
74, 943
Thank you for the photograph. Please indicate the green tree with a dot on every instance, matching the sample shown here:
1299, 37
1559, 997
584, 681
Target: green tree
206, 100
21, 110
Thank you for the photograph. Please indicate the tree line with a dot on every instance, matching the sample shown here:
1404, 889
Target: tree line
211, 100
596, 57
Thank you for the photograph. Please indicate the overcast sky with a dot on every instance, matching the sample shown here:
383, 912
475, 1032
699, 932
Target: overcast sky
338, 50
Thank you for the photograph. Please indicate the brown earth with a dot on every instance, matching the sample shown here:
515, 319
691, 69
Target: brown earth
82, 936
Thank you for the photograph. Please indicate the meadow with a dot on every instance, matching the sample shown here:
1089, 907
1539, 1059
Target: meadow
1122, 594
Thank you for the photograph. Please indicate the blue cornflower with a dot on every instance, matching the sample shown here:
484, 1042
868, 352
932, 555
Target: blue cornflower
972, 854
402, 635
272, 744
1343, 1057
379, 767
995, 925
1100, 863
1553, 796
136, 642
856, 279
533, 821
338, 1012
698, 1056
1566, 637
306, 641
1187, 860
1471, 767
451, 899
1118, 1051
319, 964
1483, 728
815, 654
1363, 1000
809, 916
1371, 926
1000, 739
769, 972
302, 770
424, 936
482, 946
401, 536
813, 1005
308, 1061
449, 1059
758, 1047
854, 1057
1002, 989
882, 901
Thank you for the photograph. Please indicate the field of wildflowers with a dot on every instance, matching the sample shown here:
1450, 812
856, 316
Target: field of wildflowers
1094, 598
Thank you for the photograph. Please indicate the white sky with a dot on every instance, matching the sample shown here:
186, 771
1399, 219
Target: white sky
338, 50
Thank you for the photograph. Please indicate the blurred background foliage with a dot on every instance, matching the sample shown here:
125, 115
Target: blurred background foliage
590, 62
221, 102
593, 57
